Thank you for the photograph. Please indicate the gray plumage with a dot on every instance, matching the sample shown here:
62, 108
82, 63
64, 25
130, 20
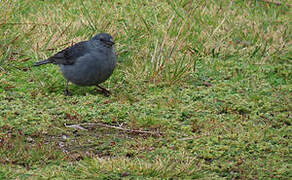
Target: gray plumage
86, 63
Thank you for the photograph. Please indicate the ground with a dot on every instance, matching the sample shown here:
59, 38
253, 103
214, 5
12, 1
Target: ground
202, 89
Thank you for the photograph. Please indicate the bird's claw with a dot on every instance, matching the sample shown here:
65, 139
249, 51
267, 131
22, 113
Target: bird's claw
67, 92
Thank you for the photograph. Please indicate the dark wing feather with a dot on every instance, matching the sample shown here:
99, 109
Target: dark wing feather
69, 55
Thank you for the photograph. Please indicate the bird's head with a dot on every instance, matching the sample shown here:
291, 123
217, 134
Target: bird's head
104, 38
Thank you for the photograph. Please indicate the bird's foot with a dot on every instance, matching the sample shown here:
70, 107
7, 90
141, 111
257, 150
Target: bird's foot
104, 91
67, 92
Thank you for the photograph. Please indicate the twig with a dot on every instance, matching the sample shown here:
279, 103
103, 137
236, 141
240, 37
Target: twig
121, 129
129, 130
75, 126
276, 2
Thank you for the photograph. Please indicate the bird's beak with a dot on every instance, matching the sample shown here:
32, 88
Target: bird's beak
110, 43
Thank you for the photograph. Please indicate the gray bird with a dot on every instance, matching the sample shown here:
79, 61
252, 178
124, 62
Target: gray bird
87, 63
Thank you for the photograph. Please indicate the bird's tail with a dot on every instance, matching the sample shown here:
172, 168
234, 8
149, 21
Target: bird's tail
42, 62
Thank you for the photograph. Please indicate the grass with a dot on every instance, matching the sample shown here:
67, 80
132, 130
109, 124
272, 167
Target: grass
209, 81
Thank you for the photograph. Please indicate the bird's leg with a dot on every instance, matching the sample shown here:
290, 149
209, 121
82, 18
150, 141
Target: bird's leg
104, 91
67, 92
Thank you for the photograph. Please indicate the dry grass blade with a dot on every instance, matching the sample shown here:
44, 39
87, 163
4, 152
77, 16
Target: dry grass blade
61, 45
276, 2
62, 33
160, 63
176, 38
165, 36
38, 24
216, 29
155, 51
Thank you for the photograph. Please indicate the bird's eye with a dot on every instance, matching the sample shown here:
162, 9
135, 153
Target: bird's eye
101, 39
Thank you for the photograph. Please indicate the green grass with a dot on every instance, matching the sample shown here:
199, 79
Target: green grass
210, 82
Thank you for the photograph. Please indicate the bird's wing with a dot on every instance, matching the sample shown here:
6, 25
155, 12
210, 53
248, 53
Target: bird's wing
69, 55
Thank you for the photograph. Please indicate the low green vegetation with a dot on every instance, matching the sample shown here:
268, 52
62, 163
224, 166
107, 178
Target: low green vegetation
203, 89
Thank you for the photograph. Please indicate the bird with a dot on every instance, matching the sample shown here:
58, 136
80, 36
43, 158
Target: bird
86, 63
